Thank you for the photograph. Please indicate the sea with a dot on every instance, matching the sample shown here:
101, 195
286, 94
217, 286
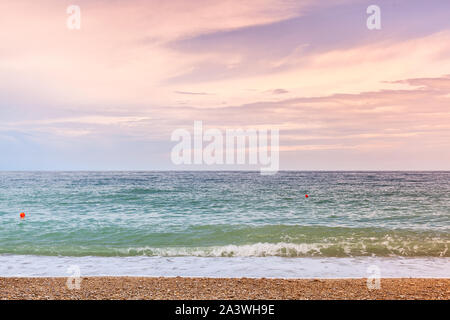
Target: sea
293, 224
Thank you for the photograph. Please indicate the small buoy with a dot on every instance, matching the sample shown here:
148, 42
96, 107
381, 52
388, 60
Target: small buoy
22, 215
306, 196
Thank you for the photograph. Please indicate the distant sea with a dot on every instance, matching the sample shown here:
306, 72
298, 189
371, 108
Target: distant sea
225, 223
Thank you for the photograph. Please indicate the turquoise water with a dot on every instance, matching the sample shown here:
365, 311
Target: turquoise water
225, 214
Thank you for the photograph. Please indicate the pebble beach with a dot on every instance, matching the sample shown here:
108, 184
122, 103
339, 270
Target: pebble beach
177, 288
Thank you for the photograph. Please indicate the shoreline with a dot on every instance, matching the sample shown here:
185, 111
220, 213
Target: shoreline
225, 267
183, 288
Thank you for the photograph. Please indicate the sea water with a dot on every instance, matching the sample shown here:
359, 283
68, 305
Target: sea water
225, 223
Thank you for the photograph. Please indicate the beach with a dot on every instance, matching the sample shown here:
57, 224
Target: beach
178, 288
224, 150
225, 235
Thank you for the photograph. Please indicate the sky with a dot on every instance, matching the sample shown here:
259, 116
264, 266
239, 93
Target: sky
109, 95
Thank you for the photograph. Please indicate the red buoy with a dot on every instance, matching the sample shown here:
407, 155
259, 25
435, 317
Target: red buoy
22, 215
306, 196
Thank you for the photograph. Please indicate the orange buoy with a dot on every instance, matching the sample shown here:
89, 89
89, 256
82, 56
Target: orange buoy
306, 196
22, 215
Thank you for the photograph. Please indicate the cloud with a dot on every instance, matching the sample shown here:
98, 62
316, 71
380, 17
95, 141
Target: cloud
109, 63
279, 91
193, 93
367, 115
139, 69
357, 126
439, 83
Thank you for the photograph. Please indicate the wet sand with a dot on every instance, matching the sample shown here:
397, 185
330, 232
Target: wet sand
129, 288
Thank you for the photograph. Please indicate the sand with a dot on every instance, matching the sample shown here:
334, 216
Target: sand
212, 288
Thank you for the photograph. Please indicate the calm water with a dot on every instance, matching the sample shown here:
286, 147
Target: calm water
226, 214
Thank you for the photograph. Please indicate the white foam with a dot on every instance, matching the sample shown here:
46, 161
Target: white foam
252, 250
281, 249
252, 267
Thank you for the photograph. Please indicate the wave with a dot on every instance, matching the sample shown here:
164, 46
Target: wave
231, 241
282, 249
